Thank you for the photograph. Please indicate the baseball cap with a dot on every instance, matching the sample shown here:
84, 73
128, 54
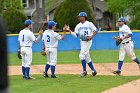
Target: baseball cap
51, 23
121, 19
82, 14
28, 22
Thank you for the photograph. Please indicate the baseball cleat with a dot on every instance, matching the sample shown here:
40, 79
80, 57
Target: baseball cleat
53, 76
84, 74
29, 78
24, 77
94, 73
117, 72
45, 75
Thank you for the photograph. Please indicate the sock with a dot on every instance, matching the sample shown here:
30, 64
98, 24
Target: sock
91, 66
23, 71
53, 70
47, 67
84, 65
28, 71
137, 61
120, 63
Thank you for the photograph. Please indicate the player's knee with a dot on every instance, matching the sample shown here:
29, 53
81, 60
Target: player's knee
88, 60
52, 63
81, 57
132, 57
121, 58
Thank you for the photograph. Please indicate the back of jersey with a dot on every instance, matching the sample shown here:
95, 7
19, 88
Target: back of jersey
26, 37
51, 38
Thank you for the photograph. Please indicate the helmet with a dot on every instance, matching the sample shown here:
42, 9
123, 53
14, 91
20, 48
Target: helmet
121, 19
82, 14
51, 23
28, 22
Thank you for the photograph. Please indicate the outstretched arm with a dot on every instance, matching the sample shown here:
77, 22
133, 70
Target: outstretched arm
39, 35
71, 32
64, 32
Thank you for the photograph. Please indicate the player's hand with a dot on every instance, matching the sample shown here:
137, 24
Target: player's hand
90, 38
65, 28
115, 37
40, 32
68, 28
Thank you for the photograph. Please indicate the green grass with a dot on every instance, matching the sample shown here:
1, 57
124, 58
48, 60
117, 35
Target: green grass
72, 57
67, 84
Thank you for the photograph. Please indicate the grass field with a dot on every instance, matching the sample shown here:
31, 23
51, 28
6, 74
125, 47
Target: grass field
72, 57
67, 84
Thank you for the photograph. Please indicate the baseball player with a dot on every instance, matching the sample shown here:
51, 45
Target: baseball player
86, 30
50, 40
26, 39
126, 46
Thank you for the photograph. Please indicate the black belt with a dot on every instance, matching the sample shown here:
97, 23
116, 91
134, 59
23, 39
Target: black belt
125, 42
51, 47
25, 46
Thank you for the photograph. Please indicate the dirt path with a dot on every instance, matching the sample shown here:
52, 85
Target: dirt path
129, 69
131, 87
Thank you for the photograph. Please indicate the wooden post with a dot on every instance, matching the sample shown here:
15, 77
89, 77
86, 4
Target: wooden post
3, 59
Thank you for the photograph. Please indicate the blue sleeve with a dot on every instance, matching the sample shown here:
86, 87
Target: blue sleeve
96, 30
130, 35
77, 34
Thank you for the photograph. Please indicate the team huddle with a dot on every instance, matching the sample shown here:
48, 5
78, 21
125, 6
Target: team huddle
85, 30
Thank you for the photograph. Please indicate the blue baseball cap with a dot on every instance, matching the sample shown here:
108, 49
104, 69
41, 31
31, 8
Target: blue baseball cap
28, 22
51, 23
82, 14
121, 19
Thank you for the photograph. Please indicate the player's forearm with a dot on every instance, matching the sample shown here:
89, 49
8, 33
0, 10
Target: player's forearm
73, 33
37, 39
63, 35
129, 35
94, 33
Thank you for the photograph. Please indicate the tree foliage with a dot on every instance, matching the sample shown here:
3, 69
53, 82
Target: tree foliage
126, 8
14, 20
5, 4
67, 12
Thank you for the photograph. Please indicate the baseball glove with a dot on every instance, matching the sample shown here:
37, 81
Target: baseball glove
118, 41
43, 53
19, 54
84, 38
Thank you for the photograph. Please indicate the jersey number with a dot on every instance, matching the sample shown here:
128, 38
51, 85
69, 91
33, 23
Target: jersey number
23, 38
48, 38
85, 32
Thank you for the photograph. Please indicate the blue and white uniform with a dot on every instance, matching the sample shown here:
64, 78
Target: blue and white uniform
85, 29
50, 39
126, 46
26, 39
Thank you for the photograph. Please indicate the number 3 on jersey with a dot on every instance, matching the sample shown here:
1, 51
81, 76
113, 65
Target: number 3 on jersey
48, 38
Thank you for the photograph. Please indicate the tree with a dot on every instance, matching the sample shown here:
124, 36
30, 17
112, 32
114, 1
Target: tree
5, 4
15, 21
68, 11
125, 8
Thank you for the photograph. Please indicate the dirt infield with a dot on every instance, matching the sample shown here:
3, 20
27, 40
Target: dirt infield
129, 69
131, 87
